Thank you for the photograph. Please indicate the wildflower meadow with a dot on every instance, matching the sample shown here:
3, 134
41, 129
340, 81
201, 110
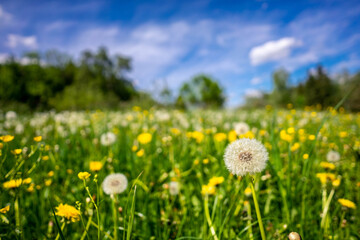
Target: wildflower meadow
170, 174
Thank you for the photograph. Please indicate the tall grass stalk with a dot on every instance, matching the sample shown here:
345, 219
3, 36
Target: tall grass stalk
208, 218
257, 209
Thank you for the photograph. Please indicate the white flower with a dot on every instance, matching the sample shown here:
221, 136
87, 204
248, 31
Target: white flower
245, 156
10, 115
115, 183
107, 139
333, 156
241, 128
174, 188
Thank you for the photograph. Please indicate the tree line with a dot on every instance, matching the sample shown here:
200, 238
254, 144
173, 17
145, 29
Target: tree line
55, 80
318, 89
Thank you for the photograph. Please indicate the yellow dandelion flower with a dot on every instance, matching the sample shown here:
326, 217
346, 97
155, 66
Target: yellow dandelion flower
232, 136
68, 212
327, 165
31, 187
196, 162
50, 174
134, 148
17, 151
198, 136
247, 191
84, 175
305, 156
208, 190
216, 181
284, 136
37, 138
175, 131
5, 209
347, 203
7, 138
311, 137
48, 182
343, 134
336, 182
291, 130
144, 138
45, 158
140, 153
96, 165
27, 181
262, 132
295, 147
248, 134
205, 161
219, 137
12, 183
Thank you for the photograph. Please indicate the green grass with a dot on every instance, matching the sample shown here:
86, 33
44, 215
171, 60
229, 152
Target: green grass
290, 195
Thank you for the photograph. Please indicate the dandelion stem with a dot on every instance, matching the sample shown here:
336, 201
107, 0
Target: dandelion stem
95, 205
62, 228
258, 213
207, 214
326, 208
87, 228
249, 225
115, 217
17, 214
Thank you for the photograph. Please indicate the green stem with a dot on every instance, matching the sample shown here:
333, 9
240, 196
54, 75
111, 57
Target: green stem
95, 205
17, 214
258, 214
249, 225
62, 228
115, 217
105, 233
207, 214
326, 208
87, 229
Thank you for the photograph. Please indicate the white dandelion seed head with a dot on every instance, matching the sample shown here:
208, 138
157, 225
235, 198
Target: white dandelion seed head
333, 156
10, 115
115, 183
241, 128
174, 188
245, 156
107, 139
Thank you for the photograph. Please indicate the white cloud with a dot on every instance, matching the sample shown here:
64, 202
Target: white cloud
352, 62
256, 81
4, 16
273, 50
177, 50
3, 57
21, 41
253, 93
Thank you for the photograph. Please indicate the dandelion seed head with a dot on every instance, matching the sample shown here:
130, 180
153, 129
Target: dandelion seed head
174, 188
107, 139
333, 156
294, 236
115, 183
241, 128
245, 156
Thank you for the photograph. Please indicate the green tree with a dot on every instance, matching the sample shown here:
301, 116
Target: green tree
320, 89
281, 93
201, 91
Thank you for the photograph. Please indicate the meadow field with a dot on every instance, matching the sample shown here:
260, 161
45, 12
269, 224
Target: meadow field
58, 181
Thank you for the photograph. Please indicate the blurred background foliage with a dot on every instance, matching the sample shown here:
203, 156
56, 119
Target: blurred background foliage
55, 80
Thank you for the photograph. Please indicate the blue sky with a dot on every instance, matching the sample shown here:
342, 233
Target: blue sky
240, 43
